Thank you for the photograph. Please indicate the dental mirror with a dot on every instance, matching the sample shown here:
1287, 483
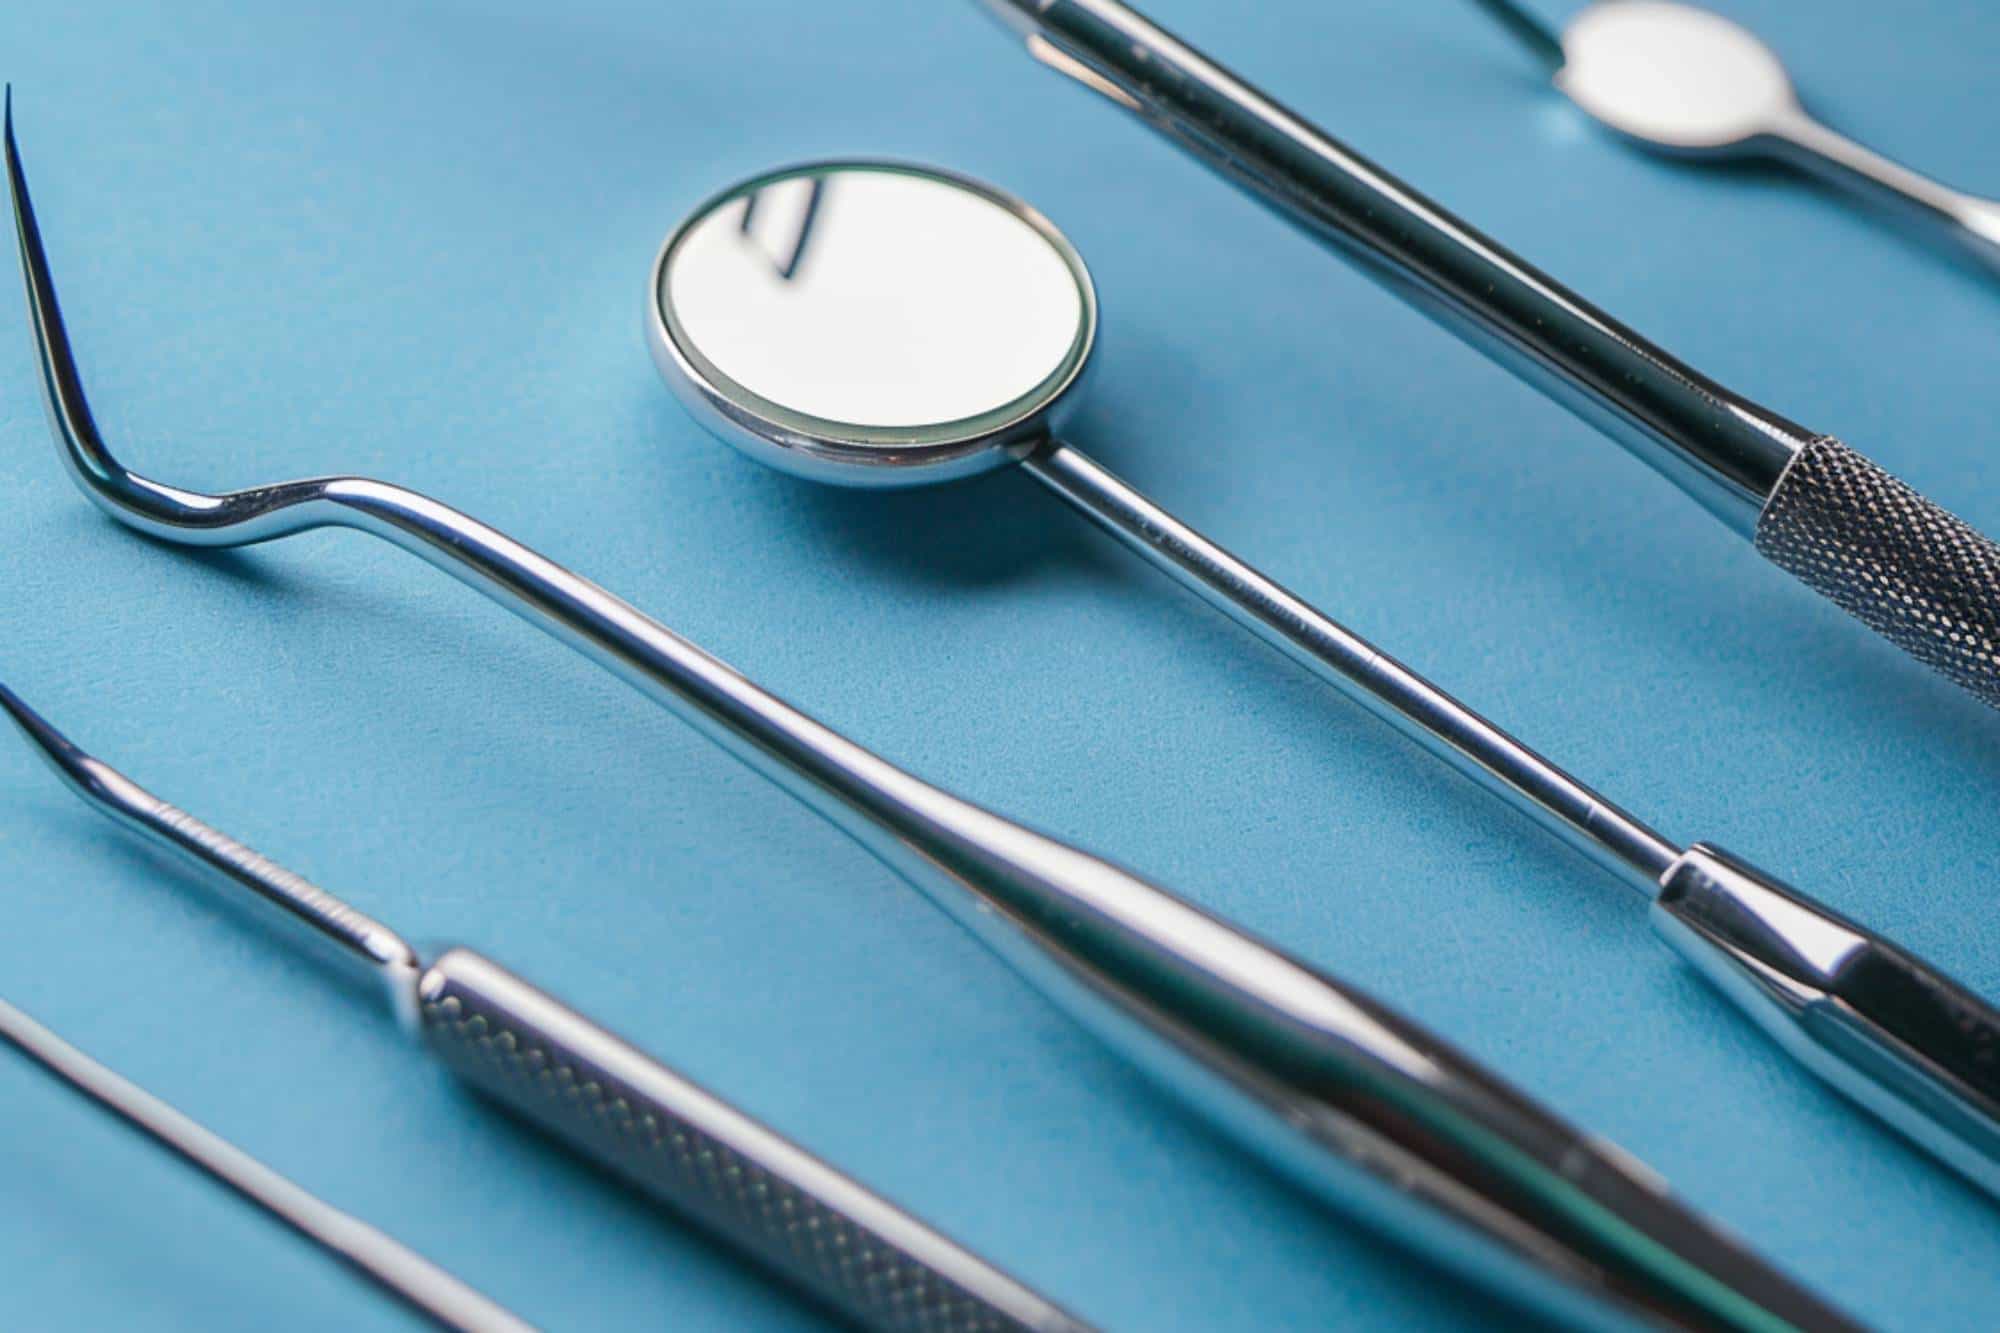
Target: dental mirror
1674, 76
1693, 84
869, 324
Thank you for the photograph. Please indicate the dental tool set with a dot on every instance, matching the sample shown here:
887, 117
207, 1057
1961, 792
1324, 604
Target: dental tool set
881, 324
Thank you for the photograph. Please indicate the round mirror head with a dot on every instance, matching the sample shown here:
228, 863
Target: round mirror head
1672, 75
872, 324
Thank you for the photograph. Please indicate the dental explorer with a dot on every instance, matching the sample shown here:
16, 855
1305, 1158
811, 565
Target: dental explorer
1354, 1101
816, 374
823, 1232
1915, 574
383, 1260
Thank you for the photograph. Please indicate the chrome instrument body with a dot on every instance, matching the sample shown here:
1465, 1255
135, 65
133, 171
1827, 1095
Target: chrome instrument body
825, 1233
1902, 565
1693, 84
1361, 1104
1905, 1073
383, 1260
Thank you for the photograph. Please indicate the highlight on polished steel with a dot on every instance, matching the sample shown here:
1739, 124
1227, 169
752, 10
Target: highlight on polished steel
1357, 1102
830, 1236
1914, 573
383, 1260
1692, 84
880, 304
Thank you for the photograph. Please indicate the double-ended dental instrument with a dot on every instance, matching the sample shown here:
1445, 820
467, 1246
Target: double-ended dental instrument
1694, 85
1915, 574
383, 1260
923, 326
1355, 1101
821, 1231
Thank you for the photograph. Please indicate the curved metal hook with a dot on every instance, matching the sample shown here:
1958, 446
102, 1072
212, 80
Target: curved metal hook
552, 598
233, 519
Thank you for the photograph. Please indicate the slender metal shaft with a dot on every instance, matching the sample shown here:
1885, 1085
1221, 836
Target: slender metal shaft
353, 944
382, 1259
1971, 222
1390, 690
1527, 28
1726, 451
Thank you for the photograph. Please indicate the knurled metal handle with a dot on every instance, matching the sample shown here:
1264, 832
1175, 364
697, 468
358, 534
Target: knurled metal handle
1917, 575
831, 1236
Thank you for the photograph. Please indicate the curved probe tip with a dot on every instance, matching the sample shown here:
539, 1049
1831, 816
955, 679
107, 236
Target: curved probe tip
61, 384
168, 512
37, 728
86, 776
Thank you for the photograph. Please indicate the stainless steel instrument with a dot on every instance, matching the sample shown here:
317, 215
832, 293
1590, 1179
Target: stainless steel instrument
830, 1236
1356, 1101
383, 1260
937, 327
1695, 85
1915, 574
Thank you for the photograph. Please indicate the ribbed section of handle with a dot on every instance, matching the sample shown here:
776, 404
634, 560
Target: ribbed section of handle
1915, 574
855, 1251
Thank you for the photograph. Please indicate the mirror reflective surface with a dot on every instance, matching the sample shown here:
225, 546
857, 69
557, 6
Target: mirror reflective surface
873, 305
1673, 75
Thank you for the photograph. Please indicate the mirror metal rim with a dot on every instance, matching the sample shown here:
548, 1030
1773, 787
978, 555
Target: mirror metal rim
844, 453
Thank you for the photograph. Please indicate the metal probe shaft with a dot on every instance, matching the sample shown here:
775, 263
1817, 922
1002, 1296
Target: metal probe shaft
382, 1259
852, 1250
1565, 806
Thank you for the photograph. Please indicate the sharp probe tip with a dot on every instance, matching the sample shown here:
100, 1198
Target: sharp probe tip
95, 782
62, 753
17, 708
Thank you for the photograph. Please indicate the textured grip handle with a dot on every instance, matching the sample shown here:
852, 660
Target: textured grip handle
853, 1250
1907, 1042
1915, 574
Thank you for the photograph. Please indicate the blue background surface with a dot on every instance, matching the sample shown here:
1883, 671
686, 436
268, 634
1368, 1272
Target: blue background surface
411, 241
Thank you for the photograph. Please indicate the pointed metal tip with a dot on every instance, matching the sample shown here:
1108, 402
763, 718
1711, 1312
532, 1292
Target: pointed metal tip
16, 185
69, 761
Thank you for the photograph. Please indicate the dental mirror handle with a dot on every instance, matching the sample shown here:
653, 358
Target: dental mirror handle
1813, 146
746, 1185
1881, 1026
1914, 573
404, 1274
